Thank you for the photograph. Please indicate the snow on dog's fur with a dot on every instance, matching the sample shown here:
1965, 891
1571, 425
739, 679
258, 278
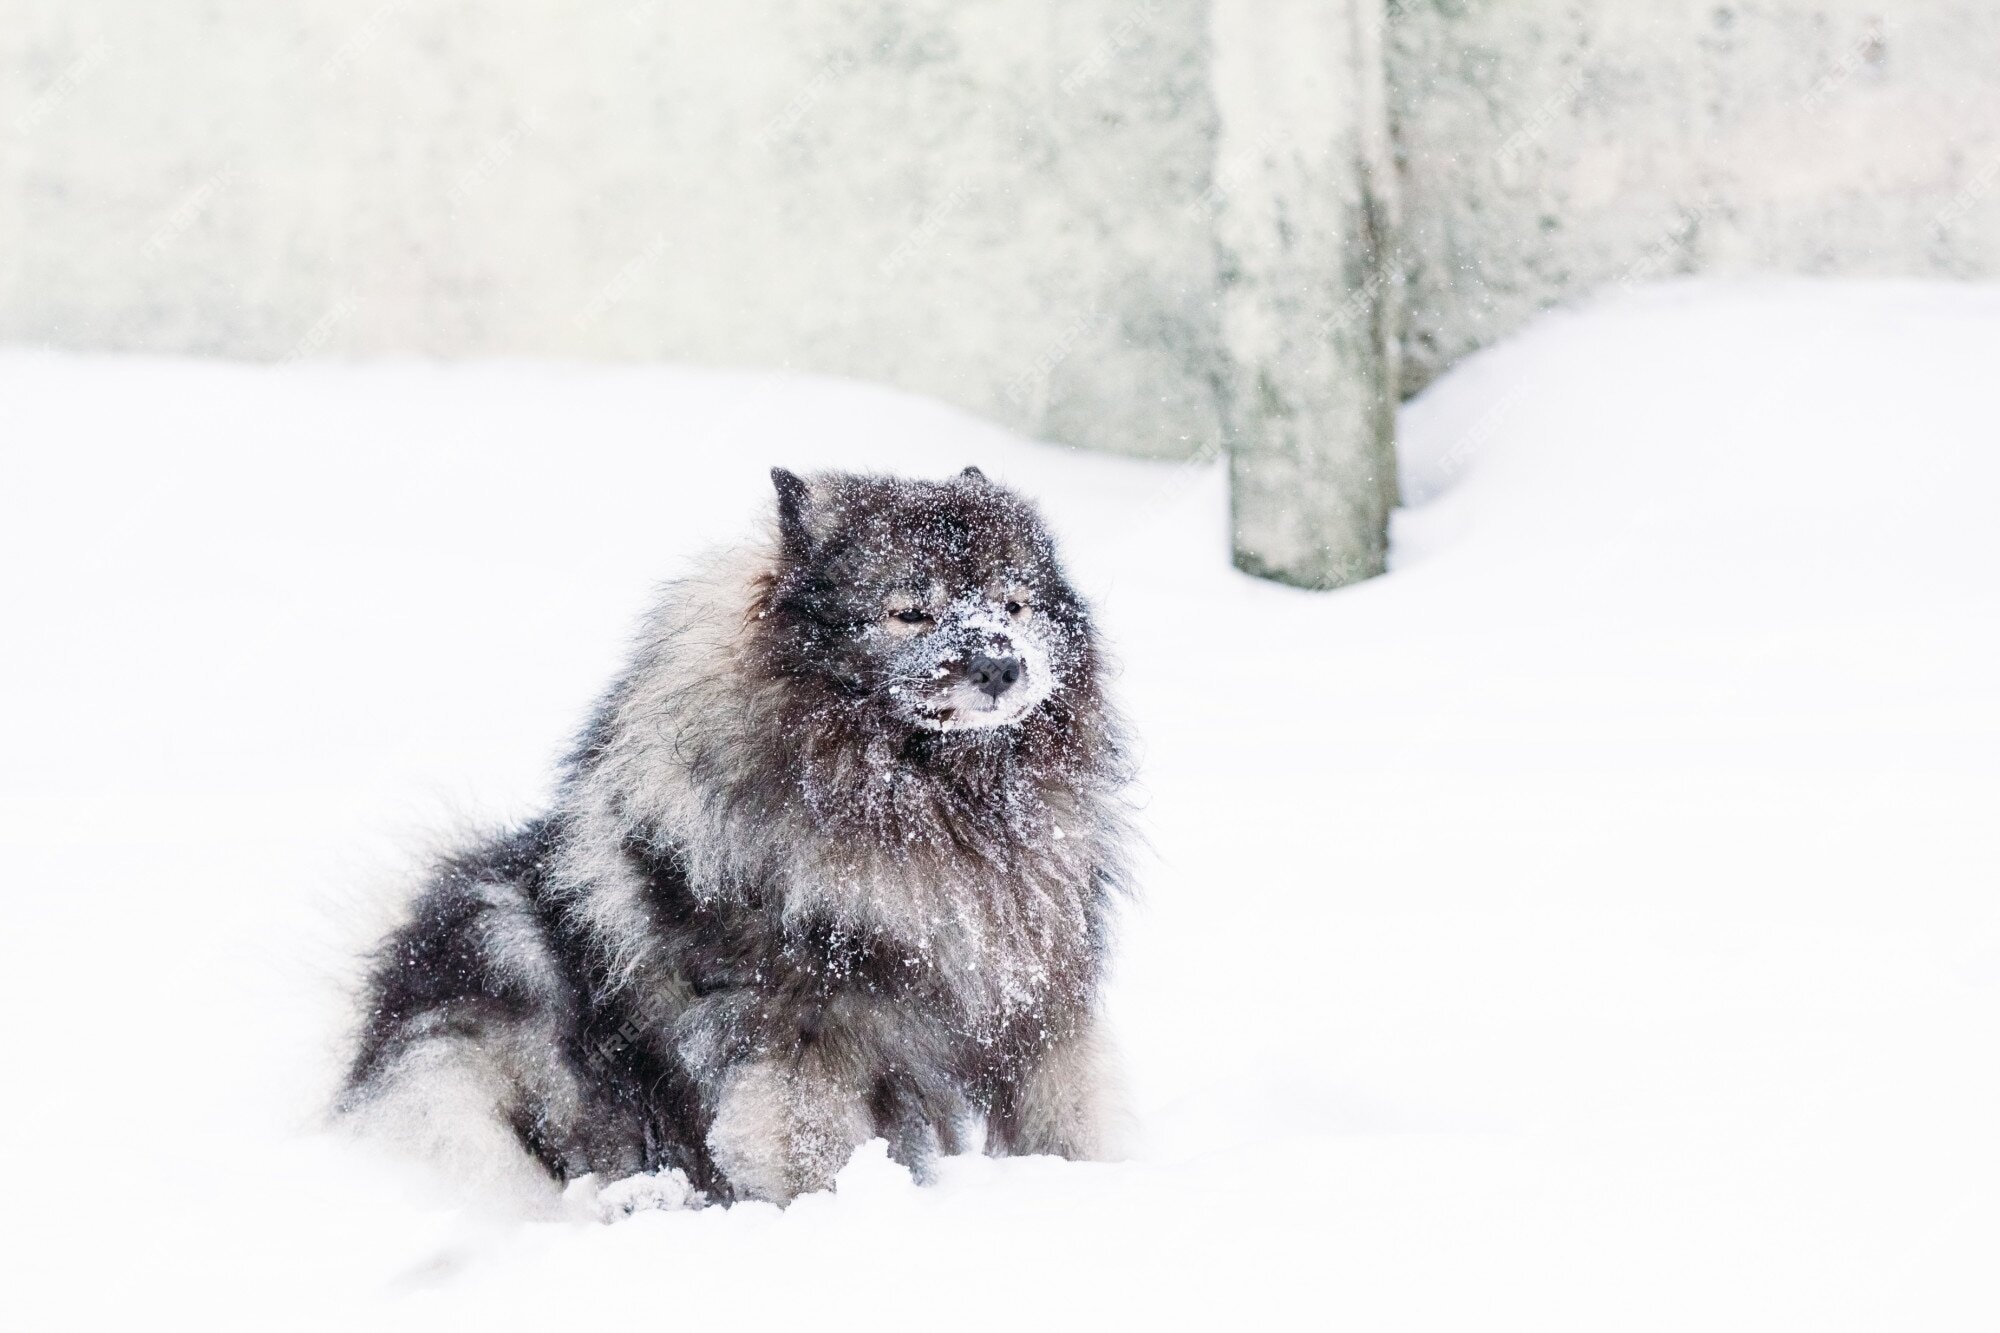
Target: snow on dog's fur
832, 860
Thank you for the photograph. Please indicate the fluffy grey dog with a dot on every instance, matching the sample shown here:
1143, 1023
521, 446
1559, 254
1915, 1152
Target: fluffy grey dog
832, 860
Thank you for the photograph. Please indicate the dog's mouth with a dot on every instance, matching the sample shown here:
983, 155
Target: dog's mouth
977, 691
957, 712
970, 717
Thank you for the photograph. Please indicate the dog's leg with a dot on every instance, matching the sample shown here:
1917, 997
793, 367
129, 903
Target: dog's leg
785, 1127
1066, 1102
446, 1102
920, 1118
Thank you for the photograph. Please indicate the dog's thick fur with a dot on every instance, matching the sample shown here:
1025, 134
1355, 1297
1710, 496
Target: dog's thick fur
803, 882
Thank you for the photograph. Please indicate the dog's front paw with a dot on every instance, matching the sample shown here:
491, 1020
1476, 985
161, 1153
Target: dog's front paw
781, 1130
661, 1191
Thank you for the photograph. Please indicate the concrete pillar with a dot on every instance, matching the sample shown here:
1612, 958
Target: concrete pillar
1303, 202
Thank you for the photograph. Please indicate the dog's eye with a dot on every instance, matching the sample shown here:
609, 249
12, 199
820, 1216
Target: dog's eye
1016, 607
910, 616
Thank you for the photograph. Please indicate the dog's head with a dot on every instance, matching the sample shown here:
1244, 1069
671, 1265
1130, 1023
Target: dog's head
937, 605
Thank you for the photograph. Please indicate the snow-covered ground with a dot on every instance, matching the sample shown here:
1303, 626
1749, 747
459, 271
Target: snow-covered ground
1593, 924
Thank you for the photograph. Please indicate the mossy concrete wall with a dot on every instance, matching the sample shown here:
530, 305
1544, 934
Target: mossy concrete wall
1162, 227
1305, 217
997, 202
1550, 148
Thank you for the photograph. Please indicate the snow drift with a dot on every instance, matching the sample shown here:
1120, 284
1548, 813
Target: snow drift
1612, 937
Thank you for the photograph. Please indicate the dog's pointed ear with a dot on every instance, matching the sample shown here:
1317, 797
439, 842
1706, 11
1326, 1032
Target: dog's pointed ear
793, 497
973, 474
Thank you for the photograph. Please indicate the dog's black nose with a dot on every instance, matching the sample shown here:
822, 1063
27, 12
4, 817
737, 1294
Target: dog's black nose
995, 675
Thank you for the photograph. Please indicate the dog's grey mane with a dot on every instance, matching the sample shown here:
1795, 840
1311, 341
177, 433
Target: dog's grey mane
990, 897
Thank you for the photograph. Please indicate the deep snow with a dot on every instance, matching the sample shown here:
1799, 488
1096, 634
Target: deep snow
1591, 924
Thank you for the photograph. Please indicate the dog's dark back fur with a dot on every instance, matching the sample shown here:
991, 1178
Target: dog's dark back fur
794, 889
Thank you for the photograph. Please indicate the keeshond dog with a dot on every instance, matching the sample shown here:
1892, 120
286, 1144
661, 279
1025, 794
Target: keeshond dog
833, 859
